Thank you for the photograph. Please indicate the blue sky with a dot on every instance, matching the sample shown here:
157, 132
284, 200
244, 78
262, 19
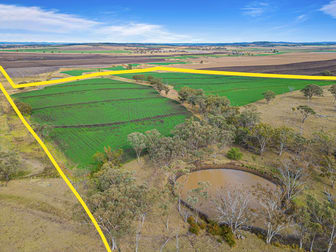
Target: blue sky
168, 21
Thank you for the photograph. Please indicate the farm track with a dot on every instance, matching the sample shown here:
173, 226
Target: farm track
78, 91
119, 123
102, 101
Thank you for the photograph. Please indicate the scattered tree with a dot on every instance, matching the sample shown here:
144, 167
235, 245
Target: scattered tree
305, 112
9, 166
293, 178
248, 118
138, 142
116, 201
24, 108
273, 212
328, 168
186, 92
306, 229
327, 73
232, 208
108, 156
262, 134
332, 90
310, 90
283, 137
269, 95
323, 214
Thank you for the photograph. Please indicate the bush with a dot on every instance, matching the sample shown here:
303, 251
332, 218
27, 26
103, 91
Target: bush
228, 236
213, 228
150, 78
24, 108
202, 224
191, 220
234, 154
194, 228
327, 73
223, 231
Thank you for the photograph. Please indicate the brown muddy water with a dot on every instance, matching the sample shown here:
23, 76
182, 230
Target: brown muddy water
221, 180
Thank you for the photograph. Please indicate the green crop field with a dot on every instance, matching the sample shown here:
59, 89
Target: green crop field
167, 63
57, 50
81, 71
240, 90
84, 116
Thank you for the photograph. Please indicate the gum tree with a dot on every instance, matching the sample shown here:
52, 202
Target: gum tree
269, 95
312, 90
305, 112
138, 142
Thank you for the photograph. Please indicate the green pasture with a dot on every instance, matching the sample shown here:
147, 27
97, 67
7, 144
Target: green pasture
240, 90
79, 72
84, 116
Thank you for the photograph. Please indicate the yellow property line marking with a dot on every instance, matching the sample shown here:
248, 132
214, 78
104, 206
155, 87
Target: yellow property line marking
86, 76
44, 147
168, 69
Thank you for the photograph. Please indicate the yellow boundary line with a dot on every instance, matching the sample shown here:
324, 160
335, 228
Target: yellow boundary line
168, 69
86, 76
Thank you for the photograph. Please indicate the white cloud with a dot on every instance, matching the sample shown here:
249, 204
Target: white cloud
35, 24
302, 18
255, 9
36, 19
330, 8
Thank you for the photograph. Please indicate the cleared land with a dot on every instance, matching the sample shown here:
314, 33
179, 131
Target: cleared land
240, 90
273, 60
305, 68
87, 115
27, 64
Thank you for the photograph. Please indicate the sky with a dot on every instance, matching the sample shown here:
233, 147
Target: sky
173, 21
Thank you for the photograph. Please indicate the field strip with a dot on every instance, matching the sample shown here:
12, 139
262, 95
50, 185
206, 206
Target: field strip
58, 168
117, 123
93, 102
168, 69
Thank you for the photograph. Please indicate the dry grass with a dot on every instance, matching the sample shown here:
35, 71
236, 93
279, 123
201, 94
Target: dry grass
279, 111
36, 214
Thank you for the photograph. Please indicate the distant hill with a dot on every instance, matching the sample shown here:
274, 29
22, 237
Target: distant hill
255, 43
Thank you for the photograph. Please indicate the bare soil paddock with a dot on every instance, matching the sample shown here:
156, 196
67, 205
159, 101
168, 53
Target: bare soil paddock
305, 68
27, 64
288, 63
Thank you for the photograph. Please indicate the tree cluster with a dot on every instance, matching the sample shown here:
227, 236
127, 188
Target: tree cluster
117, 203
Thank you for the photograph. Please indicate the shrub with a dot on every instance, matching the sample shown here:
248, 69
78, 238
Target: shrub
223, 231
228, 235
191, 220
202, 224
24, 108
213, 228
234, 154
194, 228
326, 73
150, 78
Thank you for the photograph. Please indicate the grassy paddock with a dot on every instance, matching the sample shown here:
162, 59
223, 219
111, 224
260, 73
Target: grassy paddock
240, 90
